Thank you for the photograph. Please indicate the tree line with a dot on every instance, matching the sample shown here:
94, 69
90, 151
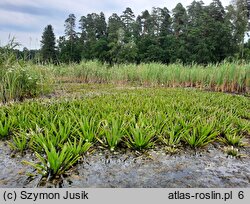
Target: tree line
198, 33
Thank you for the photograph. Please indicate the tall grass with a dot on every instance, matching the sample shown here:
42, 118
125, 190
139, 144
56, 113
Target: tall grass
19, 79
225, 77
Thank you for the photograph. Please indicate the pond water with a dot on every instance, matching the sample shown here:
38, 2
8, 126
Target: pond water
155, 169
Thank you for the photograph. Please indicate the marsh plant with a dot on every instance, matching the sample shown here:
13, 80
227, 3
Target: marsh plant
173, 134
20, 142
55, 162
233, 152
87, 128
78, 147
225, 77
112, 132
140, 135
5, 126
200, 135
19, 79
233, 139
60, 132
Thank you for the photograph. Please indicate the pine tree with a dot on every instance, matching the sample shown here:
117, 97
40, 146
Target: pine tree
238, 14
128, 19
70, 27
179, 19
48, 47
101, 26
219, 39
71, 45
197, 33
146, 23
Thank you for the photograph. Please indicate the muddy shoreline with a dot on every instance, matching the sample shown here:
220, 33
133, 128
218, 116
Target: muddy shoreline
207, 168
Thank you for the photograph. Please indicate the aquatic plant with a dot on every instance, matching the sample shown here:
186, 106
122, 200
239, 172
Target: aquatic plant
130, 118
6, 124
173, 134
140, 135
55, 162
232, 151
20, 142
87, 128
200, 135
225, 77
78, 147
233, 139
112, 132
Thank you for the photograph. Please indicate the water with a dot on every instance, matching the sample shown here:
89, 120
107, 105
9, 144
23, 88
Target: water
127, 169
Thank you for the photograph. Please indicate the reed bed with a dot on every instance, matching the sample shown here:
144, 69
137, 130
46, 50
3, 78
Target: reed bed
224, 77
61, 131
20, 79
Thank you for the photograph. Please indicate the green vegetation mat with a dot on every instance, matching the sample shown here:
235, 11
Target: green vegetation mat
60, 131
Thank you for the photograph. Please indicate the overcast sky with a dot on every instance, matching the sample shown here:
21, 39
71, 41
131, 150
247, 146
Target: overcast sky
26, 19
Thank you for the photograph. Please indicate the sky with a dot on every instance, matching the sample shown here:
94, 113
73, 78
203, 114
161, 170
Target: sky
26, 19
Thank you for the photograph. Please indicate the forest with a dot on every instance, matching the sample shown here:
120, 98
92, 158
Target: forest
196, 34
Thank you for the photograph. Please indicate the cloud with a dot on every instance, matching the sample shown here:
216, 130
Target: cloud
20, 28
26, 9
32, 10
7, 17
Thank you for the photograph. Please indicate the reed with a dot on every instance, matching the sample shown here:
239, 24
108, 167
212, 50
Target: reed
225, 77
19, 79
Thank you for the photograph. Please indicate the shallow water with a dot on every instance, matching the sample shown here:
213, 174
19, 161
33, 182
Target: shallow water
13, 173
212, 169
207, 168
